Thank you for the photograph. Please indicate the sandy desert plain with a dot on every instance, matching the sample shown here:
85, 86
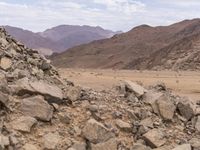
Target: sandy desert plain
184, 83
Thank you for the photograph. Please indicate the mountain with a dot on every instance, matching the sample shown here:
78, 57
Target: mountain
60, 38
67, 36
144, 47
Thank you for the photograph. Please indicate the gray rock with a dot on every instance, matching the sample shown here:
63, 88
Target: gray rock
197, 125
135, 88
3, 83
4, 99
51, 140
154, 138
123, 126
45, 66
121, 88
166, 107
13, 140
147, 122
197, 111
5, 63
186, 108
151, 97
73, 93
4, 141
32, 61
195, 143
23, 123
93, 108
37, 107
183, 147
96, 132
161, 104
49, 91
160, 86
109, 145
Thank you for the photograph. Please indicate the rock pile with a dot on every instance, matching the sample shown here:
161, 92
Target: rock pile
39, 110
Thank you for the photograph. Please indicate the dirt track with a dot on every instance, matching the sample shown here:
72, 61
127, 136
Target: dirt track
183, 83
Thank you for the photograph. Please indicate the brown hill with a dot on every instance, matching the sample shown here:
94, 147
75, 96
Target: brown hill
143, 47
60, 38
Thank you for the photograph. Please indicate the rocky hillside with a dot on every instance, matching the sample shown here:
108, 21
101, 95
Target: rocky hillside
41, 111
60, 38
144, 47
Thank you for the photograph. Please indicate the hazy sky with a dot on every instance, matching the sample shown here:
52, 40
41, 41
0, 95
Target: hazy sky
38, 15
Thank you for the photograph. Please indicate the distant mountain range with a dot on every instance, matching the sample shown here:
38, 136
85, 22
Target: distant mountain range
60, 38
176, 46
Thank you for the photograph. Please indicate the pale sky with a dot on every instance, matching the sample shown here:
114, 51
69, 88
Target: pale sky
38, 15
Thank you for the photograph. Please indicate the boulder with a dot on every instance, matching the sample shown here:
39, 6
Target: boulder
48, 90
166, 107
183, 147
3, 83
123, 126
13, 140
161, 105
186, 108
4, 141
4, 99
160, 86
45, 66
96, 132
23, 123
195, 143
154, 138
135, 88
147, 122
51, 92
197, 125
197, 111
109, 145
37, 107
51, 140
73, 93
151, 96
29, 147
5, 63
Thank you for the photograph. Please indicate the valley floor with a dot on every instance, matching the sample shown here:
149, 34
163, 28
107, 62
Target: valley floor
184, 83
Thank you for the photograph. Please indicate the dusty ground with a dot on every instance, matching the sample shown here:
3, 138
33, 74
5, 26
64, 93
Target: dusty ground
182, 83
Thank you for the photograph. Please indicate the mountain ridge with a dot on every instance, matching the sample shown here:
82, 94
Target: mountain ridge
48, 42
134, 49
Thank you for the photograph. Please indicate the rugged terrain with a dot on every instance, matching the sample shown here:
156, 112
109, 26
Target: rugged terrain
40, 110
59, 38
144, 47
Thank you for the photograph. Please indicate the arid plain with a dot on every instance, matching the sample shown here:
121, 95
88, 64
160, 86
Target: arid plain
184, 83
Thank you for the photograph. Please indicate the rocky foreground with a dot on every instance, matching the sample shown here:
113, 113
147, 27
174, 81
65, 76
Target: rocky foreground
39, 110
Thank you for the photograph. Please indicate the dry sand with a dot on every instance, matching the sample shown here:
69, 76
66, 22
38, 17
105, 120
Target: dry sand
183, 83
